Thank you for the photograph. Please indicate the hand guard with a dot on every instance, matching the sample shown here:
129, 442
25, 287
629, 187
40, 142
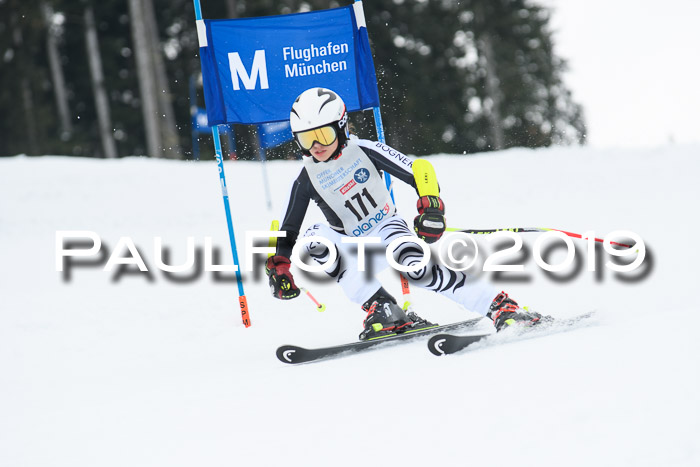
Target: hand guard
429, 224
281, 280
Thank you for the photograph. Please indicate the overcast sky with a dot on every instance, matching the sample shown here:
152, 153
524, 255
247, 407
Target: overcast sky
634, 66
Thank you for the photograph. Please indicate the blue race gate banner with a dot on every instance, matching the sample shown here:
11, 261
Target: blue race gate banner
200, 123
274, 134
254, 68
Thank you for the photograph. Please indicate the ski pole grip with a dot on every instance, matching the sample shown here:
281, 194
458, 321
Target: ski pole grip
272, 242
426, 180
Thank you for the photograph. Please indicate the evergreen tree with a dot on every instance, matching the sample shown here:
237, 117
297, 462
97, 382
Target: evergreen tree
438, 62
455, 76
535, 107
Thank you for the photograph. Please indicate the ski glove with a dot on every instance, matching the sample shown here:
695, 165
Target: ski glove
429, 224
281, 281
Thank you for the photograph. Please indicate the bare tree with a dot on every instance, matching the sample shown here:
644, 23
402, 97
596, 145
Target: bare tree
104, 120
147, 81
167, 123
485, 46
232, 8
25, 89
57, 77
493, 91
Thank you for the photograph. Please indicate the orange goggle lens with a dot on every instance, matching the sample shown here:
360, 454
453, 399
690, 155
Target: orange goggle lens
324, 135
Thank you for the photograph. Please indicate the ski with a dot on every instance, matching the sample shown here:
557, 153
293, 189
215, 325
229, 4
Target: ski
444, 344
294, 354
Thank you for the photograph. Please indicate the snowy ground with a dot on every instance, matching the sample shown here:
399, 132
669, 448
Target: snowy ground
139, 370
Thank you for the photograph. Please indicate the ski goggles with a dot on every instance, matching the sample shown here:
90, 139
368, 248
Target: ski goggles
325, 135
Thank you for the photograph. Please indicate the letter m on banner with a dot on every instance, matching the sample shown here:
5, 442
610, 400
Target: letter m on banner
254, 68
239, 73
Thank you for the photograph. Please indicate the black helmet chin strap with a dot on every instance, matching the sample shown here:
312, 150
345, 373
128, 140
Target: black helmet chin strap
336, 154
342, 133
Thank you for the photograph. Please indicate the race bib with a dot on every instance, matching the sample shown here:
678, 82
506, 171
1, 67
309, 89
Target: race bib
353, 188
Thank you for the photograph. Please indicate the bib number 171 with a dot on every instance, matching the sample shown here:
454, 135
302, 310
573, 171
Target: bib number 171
357, 197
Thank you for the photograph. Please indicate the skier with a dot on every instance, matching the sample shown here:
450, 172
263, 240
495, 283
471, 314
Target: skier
342, 174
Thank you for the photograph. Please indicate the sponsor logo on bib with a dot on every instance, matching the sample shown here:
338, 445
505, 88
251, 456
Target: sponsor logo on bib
361, 175
348, 186
372, 221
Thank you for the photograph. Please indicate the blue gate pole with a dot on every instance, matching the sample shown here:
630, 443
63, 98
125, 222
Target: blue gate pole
380, 136
193, 116
242, 301
263, 164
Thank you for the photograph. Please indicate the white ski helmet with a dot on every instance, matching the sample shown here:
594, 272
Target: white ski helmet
316, 108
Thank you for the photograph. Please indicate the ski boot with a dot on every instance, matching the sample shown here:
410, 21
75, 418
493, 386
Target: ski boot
418, 322
384, 316
504, 311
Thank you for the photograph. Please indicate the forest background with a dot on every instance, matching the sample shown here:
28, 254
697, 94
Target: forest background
114, 78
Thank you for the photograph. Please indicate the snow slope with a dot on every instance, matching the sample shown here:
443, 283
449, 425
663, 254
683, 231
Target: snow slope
139, 370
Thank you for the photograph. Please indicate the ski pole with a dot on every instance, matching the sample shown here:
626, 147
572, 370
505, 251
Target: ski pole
406, 291
272, 243
319, 306
528, 229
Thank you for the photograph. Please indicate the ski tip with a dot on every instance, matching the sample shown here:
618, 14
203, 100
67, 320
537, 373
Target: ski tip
435, 344
287, 353
444, 344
